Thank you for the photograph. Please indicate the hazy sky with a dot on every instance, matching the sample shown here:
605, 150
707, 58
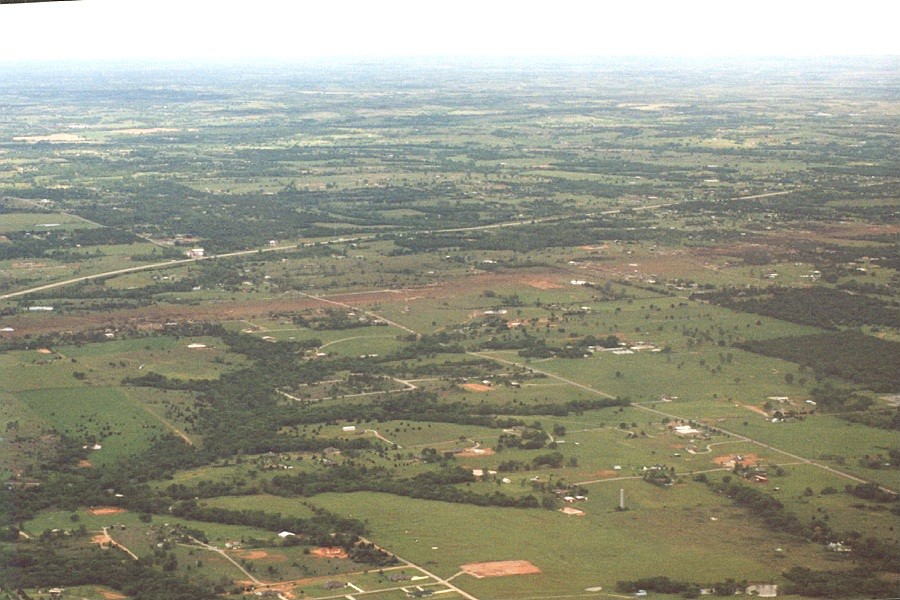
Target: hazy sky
228, 29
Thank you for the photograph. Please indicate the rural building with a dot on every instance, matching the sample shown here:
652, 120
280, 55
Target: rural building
195, 253
839, 547
762, 590
286, 534
686, 430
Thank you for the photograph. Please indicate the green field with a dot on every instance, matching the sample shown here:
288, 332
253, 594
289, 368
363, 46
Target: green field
105, 416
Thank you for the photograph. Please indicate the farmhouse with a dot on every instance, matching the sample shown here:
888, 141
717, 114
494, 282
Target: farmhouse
195, 253
839, 547
334, 585
686, 430
762, 590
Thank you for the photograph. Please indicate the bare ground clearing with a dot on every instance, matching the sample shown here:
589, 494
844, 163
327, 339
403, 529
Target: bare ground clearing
106, 510
500, 568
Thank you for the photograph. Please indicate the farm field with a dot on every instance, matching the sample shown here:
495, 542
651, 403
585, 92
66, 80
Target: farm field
561, 330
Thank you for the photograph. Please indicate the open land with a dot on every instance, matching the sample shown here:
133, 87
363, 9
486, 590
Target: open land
331, 335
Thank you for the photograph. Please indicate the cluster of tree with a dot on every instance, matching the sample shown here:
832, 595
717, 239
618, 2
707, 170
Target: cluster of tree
552, 460
91, 290
872, 492
660, 475
831, 398
882, 419
876, 554
369, 554
768, 508
867, 287
43, 566
818, 306
664, 585
322, 529
55, 243
537, 236
421, 405
439, 485
534, 347
850, 355
529, 438
333, 320
854, 583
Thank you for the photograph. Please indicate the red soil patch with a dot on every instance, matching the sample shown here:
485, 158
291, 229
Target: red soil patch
106, 510
603, 473
500, 568
755, 409
542, 284
477, 387
112, 595
259, 555
84, 464
574, 512
747, 460
152, 317
44, 351
326, 552
475, 452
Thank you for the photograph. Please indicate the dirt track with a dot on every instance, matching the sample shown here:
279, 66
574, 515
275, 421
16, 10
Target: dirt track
500, 568
151, 317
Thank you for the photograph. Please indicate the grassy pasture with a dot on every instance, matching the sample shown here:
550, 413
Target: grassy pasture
108, 362
136, 532
264, 502
578, 552
35, 370
646, 375
42, 222
105, 414
844, 511
825, 437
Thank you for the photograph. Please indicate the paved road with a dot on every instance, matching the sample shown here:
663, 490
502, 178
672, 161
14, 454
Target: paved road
681, 418
228, 558
769, 447
354, 308
440, 580
177, 262
547, 373
114, 544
